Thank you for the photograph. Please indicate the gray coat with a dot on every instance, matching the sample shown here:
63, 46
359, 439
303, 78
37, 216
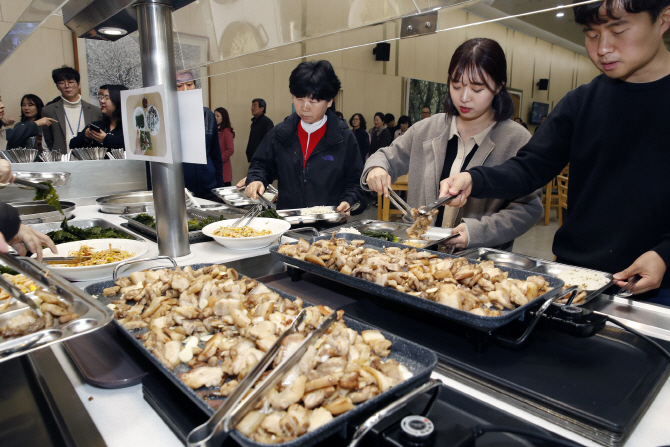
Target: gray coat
54, 135
490, 222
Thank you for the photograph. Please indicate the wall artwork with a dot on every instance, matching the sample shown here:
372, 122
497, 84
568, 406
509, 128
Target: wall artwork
422, 93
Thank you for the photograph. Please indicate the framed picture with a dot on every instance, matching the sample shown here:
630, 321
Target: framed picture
421, 93
517, 98
102, 62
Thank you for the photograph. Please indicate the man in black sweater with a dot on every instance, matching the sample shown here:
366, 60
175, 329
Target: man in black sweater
260, 126
612, 132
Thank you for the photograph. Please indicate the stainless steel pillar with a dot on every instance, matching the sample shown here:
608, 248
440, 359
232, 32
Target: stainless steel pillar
154, 21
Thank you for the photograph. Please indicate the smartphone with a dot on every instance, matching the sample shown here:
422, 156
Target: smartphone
94, 127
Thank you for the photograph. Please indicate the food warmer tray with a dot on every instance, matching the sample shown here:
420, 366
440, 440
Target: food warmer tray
92, 314
516, 260
83, 223
41, 212
397, 229
55, 178
231, 195
421, 304
191, 213
419, 360
295, 216
129, 202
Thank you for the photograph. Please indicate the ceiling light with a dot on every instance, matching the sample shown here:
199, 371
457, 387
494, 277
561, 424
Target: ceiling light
111, 31
560, 14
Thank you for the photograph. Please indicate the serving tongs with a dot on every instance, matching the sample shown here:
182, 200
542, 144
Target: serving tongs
33, 185
218, 427
251, 215
65, 259
425, 210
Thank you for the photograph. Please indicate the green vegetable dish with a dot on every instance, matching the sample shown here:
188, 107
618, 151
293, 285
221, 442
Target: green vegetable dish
73, 234
193, 224
50, 196
271, 214
381, 235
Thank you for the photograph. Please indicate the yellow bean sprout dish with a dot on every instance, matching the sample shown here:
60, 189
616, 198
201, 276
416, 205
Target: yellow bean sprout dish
98, 257
240, 232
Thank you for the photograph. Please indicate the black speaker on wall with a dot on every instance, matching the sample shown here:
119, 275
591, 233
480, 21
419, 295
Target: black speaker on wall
543, 84
382, 51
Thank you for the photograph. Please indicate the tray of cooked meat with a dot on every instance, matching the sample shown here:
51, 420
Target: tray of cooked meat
481, 295
206, 326
590, 283
40, 308
431, 239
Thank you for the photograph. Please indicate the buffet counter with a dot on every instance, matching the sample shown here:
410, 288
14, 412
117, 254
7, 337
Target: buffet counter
123, 417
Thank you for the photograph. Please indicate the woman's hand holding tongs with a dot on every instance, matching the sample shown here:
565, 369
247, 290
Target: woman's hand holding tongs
379, 181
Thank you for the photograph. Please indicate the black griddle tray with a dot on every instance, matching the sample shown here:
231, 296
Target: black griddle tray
421, 304
599, 386
418, 360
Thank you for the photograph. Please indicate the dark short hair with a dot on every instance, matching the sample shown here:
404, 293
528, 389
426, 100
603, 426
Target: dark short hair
388, 118
479, 57
261, 103
380, 115
225, 120
339, 115
35, 100
314, 79
404, 119
114, 91
363, 126
589, 14
426, 107
65, 73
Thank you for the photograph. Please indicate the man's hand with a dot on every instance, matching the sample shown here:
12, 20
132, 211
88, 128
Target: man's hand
241, 183
344, 206
4, 248
379, 181
6, 175
33, 239
45, 122
460, 242
8, 121
460, 184
650, 266
255, 188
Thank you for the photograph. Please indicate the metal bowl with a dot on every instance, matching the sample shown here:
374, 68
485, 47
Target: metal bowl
90, 153
55, 178
19, 155
41, 212
129, 202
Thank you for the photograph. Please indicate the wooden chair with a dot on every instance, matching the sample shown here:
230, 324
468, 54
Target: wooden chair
551, 199
384, 212
562, 182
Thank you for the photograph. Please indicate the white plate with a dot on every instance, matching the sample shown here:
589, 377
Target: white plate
277, 226
94, 271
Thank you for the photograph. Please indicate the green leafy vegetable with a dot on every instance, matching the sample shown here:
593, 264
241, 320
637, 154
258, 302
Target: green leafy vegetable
50, 196
271, 214
381, 235
4, 269
145, 219
68, 233
139, 121
193, 224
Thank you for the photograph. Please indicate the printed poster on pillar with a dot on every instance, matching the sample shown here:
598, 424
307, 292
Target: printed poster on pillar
145, 115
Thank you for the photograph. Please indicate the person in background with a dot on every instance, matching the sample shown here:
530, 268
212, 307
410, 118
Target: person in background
339, 115
389, 120
331, 162
425, 112
616, 160
71, 112
226, 135
260, 126
110, 134
359, 126
403, 124
200, 179
518, 120
12, 232
379, 134
31, 111
16, 137
474, 131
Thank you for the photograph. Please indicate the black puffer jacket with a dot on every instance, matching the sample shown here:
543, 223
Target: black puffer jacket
330, 175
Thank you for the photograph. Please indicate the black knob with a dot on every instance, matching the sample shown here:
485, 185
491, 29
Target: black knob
571, 312
417, 430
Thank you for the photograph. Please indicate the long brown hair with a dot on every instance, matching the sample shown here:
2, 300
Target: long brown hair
478, 58
225, 120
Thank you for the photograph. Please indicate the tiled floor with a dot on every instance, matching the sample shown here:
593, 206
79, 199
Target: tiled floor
536, 242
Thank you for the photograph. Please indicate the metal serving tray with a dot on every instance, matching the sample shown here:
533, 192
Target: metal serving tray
41, 212
83, 223
419, 360
92, 314
231, 195
295, 216
129, 202
421, 304
191, 213
508, 259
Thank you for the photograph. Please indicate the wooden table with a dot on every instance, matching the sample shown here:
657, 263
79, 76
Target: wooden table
384, 211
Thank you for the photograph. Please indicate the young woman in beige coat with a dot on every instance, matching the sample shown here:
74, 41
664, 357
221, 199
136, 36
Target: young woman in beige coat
474, 131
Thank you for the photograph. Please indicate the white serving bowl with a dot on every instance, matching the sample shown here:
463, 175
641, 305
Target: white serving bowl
92, 272
277, 226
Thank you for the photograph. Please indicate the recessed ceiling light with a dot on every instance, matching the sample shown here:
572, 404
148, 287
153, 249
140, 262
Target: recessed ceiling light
560, 14
111, 31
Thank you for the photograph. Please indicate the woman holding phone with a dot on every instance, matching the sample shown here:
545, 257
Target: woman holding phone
108, 132
476, 130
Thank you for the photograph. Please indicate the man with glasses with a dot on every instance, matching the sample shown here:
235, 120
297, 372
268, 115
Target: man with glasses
72, 113
260, 126
425, 112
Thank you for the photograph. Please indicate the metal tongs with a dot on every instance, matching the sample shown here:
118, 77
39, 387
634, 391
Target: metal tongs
251, 215
33, 185
218, 427
65, 259
424, 211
